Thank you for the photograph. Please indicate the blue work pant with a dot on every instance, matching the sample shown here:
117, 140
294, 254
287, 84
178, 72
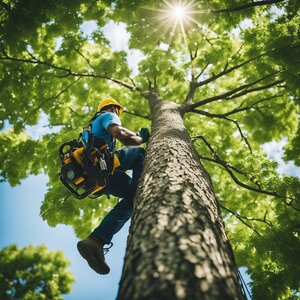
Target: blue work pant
122, 186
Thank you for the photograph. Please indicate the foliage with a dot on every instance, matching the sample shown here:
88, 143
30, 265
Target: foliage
233, 67
33, 272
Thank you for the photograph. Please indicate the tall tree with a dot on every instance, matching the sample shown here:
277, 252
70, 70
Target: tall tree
216, 80
33, 272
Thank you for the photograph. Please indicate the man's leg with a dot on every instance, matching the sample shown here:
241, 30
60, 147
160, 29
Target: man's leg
132, 158
91, 248
122, 186
119, 186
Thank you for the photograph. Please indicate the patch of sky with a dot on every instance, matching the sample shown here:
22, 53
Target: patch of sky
58, 43
118, 36
164, 46
245, 24
88, 27
274, 151
276, 12
6, 125
85, 86
41, 128
36, 131
29, 49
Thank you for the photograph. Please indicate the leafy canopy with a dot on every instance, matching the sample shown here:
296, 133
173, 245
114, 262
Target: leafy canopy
33, 272
233, 66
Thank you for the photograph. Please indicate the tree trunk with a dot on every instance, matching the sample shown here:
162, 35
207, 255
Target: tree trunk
177, 246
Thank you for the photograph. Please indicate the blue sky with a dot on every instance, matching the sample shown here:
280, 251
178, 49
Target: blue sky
20, 223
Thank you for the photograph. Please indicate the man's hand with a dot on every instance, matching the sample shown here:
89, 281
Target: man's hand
144, 134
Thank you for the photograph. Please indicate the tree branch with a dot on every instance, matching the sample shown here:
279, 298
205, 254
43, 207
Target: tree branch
230, 120
52, 97
233, 168
219, 161
69, 72
242, 219
194, 84
36, 62
245, 6
125, 111
233, 93
239, 109
241, 132
263, 87
202, 71
226, 71
85, 58
264, 220
193, 56
236, 110
225, 116
137, 115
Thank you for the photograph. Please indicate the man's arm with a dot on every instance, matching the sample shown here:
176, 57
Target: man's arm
125, 136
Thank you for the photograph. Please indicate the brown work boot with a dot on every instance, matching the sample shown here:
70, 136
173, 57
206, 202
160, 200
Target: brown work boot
91, 249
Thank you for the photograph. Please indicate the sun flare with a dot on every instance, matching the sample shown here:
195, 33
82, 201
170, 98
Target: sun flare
178, 12
177, 16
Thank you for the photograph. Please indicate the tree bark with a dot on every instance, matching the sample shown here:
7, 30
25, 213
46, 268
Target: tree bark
177, 246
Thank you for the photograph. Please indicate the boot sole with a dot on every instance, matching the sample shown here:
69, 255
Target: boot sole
96, 264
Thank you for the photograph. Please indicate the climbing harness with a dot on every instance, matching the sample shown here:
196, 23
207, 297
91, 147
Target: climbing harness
86, 164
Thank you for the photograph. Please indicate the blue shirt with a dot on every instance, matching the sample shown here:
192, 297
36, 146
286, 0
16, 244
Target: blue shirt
100, 125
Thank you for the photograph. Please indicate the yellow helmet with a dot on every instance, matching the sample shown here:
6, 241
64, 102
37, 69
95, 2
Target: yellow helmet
110, 101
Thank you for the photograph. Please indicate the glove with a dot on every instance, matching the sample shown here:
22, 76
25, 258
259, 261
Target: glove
144, 134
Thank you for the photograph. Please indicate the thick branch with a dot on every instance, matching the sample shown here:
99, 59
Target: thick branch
263, 87
245, 6
194, 84
233, 93
226, 71
236, 110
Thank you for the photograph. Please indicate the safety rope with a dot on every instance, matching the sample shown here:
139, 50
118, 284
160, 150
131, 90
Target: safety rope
244, 285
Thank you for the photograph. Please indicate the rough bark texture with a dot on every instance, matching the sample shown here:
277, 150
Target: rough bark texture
177, 246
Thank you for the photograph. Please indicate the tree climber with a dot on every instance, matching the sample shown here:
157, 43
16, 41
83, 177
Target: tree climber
107, 125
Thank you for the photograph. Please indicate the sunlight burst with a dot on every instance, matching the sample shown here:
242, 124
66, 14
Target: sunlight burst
177, 16
178, 12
